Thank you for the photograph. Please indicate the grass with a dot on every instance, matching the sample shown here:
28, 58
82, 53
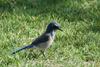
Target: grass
77, 46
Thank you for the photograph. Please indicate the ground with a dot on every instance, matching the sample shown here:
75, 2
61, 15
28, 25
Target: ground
77, 46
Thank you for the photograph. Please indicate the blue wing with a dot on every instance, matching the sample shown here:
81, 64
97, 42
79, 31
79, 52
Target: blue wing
41, 39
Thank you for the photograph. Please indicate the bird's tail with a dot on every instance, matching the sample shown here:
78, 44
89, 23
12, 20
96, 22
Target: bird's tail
26, 47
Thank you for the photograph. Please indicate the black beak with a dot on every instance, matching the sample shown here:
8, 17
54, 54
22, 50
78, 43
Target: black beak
60, 29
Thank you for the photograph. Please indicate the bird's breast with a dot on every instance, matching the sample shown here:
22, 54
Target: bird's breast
46, 44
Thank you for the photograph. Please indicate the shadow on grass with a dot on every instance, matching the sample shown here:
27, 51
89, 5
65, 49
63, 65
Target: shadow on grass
95, 28
66, 9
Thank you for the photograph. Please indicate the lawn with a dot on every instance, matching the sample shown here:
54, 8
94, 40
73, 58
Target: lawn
77, 46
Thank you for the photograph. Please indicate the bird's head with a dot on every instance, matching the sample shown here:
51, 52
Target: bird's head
53, 26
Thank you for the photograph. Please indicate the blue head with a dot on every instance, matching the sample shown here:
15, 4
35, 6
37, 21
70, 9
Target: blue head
53, 26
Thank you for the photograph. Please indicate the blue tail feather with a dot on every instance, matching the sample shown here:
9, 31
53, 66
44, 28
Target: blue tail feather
26, 47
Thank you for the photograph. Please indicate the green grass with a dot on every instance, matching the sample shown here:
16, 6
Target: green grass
77, 46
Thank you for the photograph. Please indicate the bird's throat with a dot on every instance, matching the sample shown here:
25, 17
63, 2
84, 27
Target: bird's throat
52, 33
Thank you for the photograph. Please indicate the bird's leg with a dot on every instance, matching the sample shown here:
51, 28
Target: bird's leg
43, 53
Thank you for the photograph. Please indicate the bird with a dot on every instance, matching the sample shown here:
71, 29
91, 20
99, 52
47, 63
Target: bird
45, 40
